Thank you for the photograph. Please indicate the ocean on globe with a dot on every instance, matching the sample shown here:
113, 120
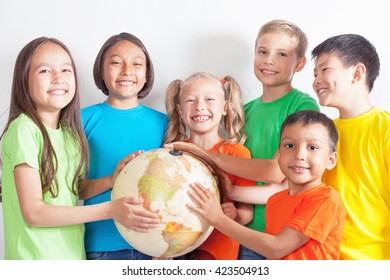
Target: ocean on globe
162, 178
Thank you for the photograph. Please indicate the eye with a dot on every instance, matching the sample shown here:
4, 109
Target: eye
115, 62
282, 54
312, 148
67, 70
289, 146
44, 71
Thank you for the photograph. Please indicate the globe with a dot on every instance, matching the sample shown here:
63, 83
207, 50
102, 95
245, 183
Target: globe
161, 177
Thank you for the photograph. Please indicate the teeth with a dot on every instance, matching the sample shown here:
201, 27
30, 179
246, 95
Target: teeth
201, 118
58, 92
297, 168
268, 72
126, 83
323, 90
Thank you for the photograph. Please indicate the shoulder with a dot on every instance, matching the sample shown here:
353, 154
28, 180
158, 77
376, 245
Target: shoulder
89, 110
22, 125
154, 112
304, 101
235, 149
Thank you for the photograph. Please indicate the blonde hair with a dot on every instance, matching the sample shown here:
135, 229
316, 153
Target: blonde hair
288, 27
232, 124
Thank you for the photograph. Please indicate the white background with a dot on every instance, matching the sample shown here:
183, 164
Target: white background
184, 37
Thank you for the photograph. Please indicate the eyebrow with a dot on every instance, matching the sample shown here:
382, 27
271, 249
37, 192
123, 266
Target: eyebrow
117, 55
49, 65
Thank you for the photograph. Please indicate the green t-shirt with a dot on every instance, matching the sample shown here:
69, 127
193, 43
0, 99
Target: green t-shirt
22, 143
263, 122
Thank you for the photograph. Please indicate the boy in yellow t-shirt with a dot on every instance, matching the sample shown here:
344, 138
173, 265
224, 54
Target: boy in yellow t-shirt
346, 67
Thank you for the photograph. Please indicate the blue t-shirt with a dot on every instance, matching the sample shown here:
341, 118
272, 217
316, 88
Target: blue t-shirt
112, 134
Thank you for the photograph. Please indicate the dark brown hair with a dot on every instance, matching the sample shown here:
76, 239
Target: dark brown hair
99, 63
307, 117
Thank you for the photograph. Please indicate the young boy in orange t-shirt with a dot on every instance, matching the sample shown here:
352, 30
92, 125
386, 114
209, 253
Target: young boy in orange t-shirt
306, 221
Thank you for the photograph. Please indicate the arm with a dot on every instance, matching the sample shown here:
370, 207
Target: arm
262, 170
258, 194
271, 246
91, 188
39, 214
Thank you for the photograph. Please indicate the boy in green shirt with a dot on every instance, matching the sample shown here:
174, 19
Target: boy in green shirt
279, 54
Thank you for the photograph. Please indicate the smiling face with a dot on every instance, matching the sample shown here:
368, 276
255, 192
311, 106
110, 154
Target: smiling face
332, 81
124, 74
51, 80
202, 105
304, 154
276, 59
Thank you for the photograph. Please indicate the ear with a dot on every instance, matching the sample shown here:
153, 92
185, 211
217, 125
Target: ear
225, 108
301, 63
359, 72
332, 160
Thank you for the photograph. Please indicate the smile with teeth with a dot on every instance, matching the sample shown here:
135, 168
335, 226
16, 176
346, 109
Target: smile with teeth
200, 118
298, 169
322, 91
126, 83
58, 92
265, 71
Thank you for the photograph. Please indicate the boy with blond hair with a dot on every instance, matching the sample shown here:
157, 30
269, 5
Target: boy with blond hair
279, 54
346, 67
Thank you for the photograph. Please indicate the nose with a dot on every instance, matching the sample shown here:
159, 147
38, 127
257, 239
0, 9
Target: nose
58, 77
200, 105
300, 153
127, 70
269, 60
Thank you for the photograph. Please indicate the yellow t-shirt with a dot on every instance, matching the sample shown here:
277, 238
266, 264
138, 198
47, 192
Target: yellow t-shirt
362, 178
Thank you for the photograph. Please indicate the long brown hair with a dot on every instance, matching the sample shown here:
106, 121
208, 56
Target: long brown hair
232, 123
70, 118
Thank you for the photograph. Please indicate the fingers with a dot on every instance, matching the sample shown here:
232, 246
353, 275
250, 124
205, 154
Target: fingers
131, 156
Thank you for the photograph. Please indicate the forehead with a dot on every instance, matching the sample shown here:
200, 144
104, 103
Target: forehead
301, 130
328, 58
125, 47
49, 52
202, 84
278, 40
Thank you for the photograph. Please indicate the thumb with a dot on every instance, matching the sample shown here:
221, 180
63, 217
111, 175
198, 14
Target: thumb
134, 200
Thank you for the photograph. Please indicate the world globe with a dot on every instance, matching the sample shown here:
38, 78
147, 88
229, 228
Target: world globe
161, 177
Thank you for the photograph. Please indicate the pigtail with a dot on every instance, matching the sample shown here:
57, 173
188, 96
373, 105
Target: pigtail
234, 121
176, 130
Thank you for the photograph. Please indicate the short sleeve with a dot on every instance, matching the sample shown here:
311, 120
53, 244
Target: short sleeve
21, 143
317, 214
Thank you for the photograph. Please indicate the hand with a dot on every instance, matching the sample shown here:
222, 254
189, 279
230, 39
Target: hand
229, 210
121, 164
127, 212
206, 204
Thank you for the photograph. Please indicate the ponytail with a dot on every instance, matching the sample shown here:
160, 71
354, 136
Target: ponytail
176, 130
234, 121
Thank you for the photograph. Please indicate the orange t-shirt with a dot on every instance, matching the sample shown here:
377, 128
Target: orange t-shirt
220, 246
318, 213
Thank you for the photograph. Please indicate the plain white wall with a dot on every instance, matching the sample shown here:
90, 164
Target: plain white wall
184, 36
